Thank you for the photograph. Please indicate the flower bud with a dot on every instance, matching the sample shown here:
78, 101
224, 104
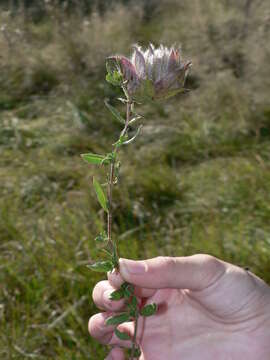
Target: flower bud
153, 73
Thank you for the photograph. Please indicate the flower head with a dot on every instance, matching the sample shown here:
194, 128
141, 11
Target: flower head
154, 73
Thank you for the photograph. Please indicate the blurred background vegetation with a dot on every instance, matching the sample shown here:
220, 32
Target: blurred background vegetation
197, 180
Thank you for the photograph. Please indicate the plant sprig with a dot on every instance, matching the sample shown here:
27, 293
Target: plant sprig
141, 78
105, 240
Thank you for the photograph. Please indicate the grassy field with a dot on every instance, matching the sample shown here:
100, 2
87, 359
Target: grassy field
197, 180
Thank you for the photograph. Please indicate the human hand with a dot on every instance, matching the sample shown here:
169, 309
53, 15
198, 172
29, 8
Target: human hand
207, 310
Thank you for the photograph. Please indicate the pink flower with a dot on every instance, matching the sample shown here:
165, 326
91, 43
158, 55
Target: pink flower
154, 73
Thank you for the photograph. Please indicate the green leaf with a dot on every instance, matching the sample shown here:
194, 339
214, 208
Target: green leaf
128, 289
132, 307
94, 158
137, 352
149, 310
117, 295
109, 255
115, 113
121, 140
115, 78
114, 75
134, 302
102, 237
110, 157
117, 319
100, 195
109, 78
101, 266
122, 335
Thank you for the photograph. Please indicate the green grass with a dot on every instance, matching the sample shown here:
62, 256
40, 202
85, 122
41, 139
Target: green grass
177, 198
197, 179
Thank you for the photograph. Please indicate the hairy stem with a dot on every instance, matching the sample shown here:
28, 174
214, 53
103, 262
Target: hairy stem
112, 243
109, 216
134, 335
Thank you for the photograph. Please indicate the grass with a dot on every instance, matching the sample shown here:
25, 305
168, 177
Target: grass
197, 180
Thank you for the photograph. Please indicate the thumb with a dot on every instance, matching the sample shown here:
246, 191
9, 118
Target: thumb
192, 272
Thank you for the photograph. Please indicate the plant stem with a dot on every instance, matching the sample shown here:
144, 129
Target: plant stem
109, 216
134, 335
127, 117
112, 243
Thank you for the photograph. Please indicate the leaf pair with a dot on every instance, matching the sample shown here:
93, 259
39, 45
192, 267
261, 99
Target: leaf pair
101, 266
106, 265
125, 291
117, 320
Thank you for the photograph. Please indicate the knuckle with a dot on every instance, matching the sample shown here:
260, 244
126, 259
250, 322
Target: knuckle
168, 262
207, 259
115, 279
212, 269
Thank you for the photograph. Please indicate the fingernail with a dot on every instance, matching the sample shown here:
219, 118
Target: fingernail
130, 267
